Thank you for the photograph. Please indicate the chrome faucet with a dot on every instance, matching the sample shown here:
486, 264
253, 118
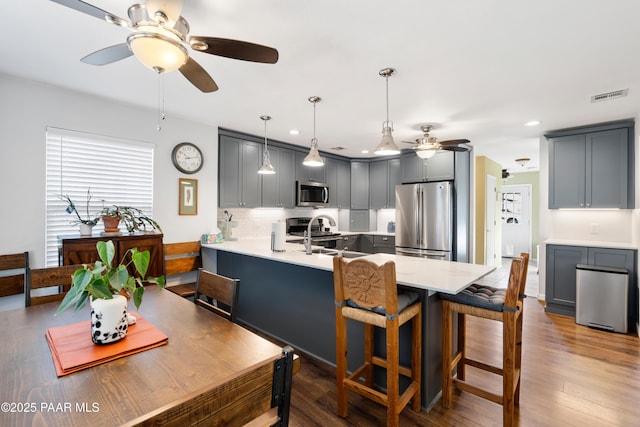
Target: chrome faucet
307, 241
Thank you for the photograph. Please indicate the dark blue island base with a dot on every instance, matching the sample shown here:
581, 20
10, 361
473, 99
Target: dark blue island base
295, 304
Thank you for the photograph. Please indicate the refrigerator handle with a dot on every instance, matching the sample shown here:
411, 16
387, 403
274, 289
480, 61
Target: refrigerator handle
418, 215
421, 217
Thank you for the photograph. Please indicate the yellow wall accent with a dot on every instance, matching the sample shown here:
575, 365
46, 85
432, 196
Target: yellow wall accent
484, 167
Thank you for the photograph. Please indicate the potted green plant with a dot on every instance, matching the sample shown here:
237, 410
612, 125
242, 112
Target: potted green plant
88, 221
108, 289
133, 219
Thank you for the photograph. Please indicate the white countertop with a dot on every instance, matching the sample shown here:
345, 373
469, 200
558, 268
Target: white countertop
591, 243
433, 275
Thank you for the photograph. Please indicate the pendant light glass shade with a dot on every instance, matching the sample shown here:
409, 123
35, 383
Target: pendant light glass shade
387, 146
266, 168
313, 158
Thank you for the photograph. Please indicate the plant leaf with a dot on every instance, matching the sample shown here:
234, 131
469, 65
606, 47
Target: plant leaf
81, 279
106, 251
141, 261
68, 300
157, 280
100, 289
137, 297
82, 299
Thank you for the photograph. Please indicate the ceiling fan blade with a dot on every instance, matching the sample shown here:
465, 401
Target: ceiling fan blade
453, 148
108, 55
198, 76
454, 142
89, 9
235, 49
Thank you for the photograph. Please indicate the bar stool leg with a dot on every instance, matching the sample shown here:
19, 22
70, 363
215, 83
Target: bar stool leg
393, 360
341, 362
508, 374
368, 354
446, 353
518, 362
462, 345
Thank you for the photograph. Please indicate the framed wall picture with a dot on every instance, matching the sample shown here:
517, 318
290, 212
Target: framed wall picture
188, 196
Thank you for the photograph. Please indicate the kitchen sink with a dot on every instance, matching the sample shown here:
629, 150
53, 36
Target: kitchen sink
335, 252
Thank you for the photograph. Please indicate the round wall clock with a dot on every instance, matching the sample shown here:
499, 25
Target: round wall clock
187, 157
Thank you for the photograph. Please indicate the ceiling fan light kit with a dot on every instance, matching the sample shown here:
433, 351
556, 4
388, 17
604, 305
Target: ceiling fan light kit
160, 37
313, 158
387, 146
266, 168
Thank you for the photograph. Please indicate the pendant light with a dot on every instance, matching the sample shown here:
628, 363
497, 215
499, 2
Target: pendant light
387, 146
313, 158
266, 168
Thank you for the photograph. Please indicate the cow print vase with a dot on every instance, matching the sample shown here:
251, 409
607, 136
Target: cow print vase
109, 319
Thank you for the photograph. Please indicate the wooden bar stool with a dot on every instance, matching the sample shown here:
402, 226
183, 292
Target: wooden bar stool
503, 305
367, 292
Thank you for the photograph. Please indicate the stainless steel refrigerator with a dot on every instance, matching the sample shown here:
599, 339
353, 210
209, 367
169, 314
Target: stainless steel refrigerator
424, 220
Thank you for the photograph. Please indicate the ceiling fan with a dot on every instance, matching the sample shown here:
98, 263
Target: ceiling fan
159, 39
427, 146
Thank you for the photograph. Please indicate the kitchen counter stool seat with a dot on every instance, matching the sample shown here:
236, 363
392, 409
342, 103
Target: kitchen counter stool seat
367, 292
503, 305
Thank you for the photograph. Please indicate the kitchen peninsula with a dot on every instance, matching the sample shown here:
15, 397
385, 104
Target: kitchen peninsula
289, 295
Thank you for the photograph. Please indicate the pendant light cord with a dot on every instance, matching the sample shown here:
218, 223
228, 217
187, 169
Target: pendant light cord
266, 148
387, 84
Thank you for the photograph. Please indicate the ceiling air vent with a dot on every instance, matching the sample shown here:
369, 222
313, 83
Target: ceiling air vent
609, 95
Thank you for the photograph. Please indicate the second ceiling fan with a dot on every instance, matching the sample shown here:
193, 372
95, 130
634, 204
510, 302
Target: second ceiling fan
426, 146
159, 39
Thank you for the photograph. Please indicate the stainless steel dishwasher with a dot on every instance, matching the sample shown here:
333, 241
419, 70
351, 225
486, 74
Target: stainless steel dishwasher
601, 297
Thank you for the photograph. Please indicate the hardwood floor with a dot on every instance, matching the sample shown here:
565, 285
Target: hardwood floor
571, 376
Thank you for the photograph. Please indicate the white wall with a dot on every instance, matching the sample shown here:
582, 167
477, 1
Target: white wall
27, 108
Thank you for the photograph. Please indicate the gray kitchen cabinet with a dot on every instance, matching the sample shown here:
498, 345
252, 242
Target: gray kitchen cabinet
384, 175
239, 183
278, 190
591, 169
366, 243
339, 182
360, 187
440, 167
560, 292
384, 244
349, 242
359, 220
309, 173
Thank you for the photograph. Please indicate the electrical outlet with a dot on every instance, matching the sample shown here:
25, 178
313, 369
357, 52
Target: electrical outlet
595, 228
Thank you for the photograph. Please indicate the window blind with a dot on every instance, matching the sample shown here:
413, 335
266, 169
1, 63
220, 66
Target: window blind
116, 171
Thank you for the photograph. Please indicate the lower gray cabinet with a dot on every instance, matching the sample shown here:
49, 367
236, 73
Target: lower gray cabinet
384, 244
349, 243
560, 292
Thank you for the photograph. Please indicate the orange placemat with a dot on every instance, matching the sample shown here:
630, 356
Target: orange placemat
73, 350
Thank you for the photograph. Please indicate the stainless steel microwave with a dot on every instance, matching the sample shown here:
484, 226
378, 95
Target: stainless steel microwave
309, 193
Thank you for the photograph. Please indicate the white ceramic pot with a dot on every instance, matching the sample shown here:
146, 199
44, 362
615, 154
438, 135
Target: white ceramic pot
86, 229
109, 319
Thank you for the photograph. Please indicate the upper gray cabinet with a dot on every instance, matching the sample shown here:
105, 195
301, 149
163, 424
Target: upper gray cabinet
592, 167
359, 185
338, 174
309, 173
384, 175
239, 183
278, 190
440, 167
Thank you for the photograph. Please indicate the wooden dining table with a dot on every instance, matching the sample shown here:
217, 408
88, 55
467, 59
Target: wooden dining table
207, 363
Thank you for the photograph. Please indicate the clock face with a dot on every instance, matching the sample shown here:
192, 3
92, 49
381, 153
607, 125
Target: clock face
187, 158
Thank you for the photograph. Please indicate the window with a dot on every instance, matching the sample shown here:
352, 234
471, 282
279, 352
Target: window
116, 171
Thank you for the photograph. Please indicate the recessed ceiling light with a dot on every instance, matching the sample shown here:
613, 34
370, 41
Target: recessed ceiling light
532, 123
365, 151
294, 132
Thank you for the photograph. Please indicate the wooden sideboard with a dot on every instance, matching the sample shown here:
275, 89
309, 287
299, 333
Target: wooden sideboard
75, 249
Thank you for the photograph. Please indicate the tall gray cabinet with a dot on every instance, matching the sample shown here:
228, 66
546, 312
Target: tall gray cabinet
592, 167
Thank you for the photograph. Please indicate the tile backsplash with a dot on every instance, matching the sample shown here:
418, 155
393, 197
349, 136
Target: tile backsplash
257, 222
